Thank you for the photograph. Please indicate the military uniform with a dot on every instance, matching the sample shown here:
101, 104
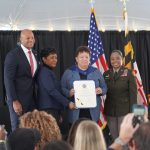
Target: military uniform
121, 94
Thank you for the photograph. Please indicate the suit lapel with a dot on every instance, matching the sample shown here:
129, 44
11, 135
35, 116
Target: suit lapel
36, 58
24, 60
35, 55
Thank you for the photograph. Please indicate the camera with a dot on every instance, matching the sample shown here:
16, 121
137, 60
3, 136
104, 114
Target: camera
139, 112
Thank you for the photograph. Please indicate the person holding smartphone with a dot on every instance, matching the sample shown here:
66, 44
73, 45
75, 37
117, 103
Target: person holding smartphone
132, 137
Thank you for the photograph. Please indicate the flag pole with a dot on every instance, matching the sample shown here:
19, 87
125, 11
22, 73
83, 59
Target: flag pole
125, 16
92, 3
92, 8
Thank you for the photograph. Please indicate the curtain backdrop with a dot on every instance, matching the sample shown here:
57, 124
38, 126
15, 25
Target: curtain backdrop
66, 43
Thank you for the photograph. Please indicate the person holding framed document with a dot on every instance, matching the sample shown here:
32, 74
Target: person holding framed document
83, 71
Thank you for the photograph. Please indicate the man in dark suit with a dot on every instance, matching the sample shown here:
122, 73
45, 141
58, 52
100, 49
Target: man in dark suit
19, 72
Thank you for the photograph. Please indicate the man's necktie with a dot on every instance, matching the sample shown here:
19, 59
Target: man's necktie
115, 75
31, 62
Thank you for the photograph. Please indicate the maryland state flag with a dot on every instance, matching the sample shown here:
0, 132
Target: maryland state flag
130, 63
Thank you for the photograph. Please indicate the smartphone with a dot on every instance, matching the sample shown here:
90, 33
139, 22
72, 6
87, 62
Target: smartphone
139, 112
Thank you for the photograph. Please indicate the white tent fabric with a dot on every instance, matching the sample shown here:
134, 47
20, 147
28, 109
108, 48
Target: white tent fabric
72, 14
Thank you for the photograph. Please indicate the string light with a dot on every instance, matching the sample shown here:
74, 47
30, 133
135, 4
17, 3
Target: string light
51, 29
14, 27
119, 30
103, 29
117, 24
69, 29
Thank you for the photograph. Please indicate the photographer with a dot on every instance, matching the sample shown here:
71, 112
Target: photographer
137, 138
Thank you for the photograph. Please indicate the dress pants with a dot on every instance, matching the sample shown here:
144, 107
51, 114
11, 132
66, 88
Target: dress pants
114, 125
14, 118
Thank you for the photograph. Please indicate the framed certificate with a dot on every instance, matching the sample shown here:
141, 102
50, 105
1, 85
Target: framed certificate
85, 95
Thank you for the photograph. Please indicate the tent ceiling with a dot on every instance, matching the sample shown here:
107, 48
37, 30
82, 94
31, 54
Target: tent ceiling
72, 14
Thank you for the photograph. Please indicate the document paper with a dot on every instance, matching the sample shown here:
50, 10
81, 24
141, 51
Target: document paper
85, 94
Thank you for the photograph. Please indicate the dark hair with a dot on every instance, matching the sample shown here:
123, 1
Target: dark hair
73, 129
82, 49
47, 51
142, 137
117, 51
57, 145
24, 138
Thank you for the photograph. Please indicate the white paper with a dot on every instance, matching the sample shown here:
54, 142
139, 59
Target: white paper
85, 94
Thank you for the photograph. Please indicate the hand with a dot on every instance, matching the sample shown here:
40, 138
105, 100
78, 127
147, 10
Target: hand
3, 132
17, 107
72, 105
98, 90
126, 129
71, 92
146, 116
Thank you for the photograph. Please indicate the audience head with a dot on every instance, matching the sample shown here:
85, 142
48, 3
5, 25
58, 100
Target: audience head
141, 138
3, 132
49, 57
24, 139
116, 59
72, 131
57, 145
89, 136
44, 123
27, 38
82, 57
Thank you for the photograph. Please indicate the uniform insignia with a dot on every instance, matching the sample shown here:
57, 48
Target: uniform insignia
125, 72
107, 76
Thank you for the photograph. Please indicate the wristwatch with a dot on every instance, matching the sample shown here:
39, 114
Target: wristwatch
119, 141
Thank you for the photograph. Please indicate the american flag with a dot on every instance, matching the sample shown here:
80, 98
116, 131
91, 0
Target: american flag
97, 56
